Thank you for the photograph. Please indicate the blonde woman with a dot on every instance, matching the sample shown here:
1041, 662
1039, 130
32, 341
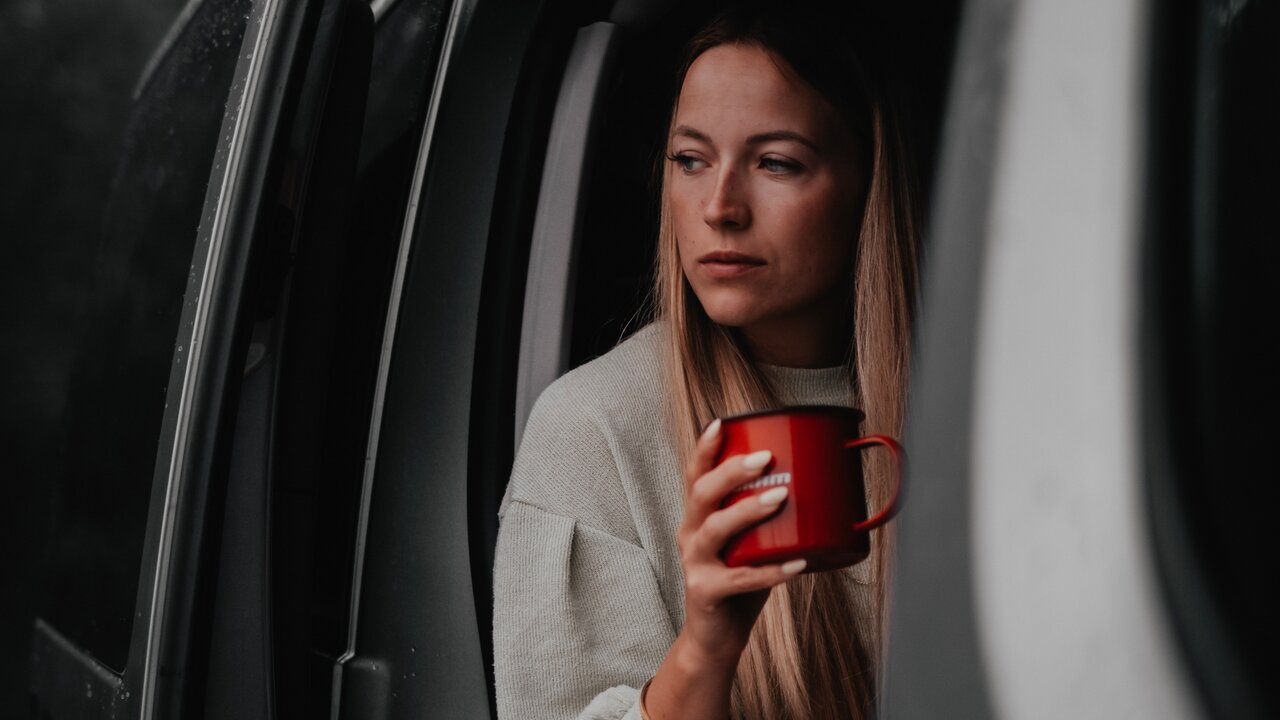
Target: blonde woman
785, 276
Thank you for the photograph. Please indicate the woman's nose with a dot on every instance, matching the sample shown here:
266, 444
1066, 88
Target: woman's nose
728, 206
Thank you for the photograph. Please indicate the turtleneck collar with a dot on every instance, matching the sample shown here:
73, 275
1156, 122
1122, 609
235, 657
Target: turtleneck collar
810, 386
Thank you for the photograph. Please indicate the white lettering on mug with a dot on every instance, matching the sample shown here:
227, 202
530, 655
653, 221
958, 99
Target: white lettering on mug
768, 481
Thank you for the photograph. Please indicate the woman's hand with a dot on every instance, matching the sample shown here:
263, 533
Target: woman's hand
721, 603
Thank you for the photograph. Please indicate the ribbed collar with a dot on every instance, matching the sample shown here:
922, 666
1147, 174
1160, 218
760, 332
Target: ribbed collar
810, 386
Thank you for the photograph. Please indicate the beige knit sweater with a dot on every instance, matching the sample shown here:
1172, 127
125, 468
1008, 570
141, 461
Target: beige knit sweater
588, 589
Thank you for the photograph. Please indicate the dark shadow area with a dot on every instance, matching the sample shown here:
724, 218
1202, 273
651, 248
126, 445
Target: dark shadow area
1211, 347
71, 69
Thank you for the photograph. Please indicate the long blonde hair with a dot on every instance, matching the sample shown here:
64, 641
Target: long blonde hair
806, 658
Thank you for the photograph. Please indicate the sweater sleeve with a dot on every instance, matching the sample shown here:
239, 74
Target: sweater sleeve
579, 623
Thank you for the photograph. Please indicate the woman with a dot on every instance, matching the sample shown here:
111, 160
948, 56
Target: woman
785, 276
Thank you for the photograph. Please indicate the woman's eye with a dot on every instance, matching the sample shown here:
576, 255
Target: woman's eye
688, 163
778, 166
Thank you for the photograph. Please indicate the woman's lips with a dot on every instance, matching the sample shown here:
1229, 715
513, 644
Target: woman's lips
722, 264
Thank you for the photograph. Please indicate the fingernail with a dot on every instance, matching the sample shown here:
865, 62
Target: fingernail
773, 496
793, 567
757, 460
711, 430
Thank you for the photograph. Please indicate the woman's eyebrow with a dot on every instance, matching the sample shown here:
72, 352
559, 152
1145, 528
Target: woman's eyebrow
782, 135
757, 139
686, 131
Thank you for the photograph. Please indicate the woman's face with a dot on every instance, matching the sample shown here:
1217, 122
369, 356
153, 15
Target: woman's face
765, 196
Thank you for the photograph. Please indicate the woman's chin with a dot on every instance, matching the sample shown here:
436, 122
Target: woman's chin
734, 317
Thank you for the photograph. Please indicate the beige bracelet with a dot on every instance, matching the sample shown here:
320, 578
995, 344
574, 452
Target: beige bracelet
644, 715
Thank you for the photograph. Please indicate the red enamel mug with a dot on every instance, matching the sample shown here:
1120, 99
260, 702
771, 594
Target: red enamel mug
817, 454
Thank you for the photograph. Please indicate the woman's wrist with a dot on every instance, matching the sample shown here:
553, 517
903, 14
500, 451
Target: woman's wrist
644, 710
689, 656
689, 684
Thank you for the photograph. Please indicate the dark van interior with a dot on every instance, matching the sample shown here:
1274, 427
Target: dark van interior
289, 275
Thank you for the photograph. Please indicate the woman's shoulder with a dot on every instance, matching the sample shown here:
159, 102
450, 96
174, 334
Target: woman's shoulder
570, 458
625, 379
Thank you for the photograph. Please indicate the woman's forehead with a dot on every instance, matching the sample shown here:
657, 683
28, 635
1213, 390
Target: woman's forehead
733, 90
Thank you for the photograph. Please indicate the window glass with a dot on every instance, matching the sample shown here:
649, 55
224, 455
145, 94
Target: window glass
108, 150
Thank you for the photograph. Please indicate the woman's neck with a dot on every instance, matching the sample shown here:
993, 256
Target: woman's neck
811, 340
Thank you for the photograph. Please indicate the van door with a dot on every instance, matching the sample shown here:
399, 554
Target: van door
219, 151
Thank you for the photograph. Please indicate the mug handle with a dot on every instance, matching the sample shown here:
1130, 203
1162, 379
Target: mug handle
895, 503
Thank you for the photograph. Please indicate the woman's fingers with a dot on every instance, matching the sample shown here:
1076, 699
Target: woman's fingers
721, 525
708, 491
707, 527
749, 579
708, 586
704, 454
704, 542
